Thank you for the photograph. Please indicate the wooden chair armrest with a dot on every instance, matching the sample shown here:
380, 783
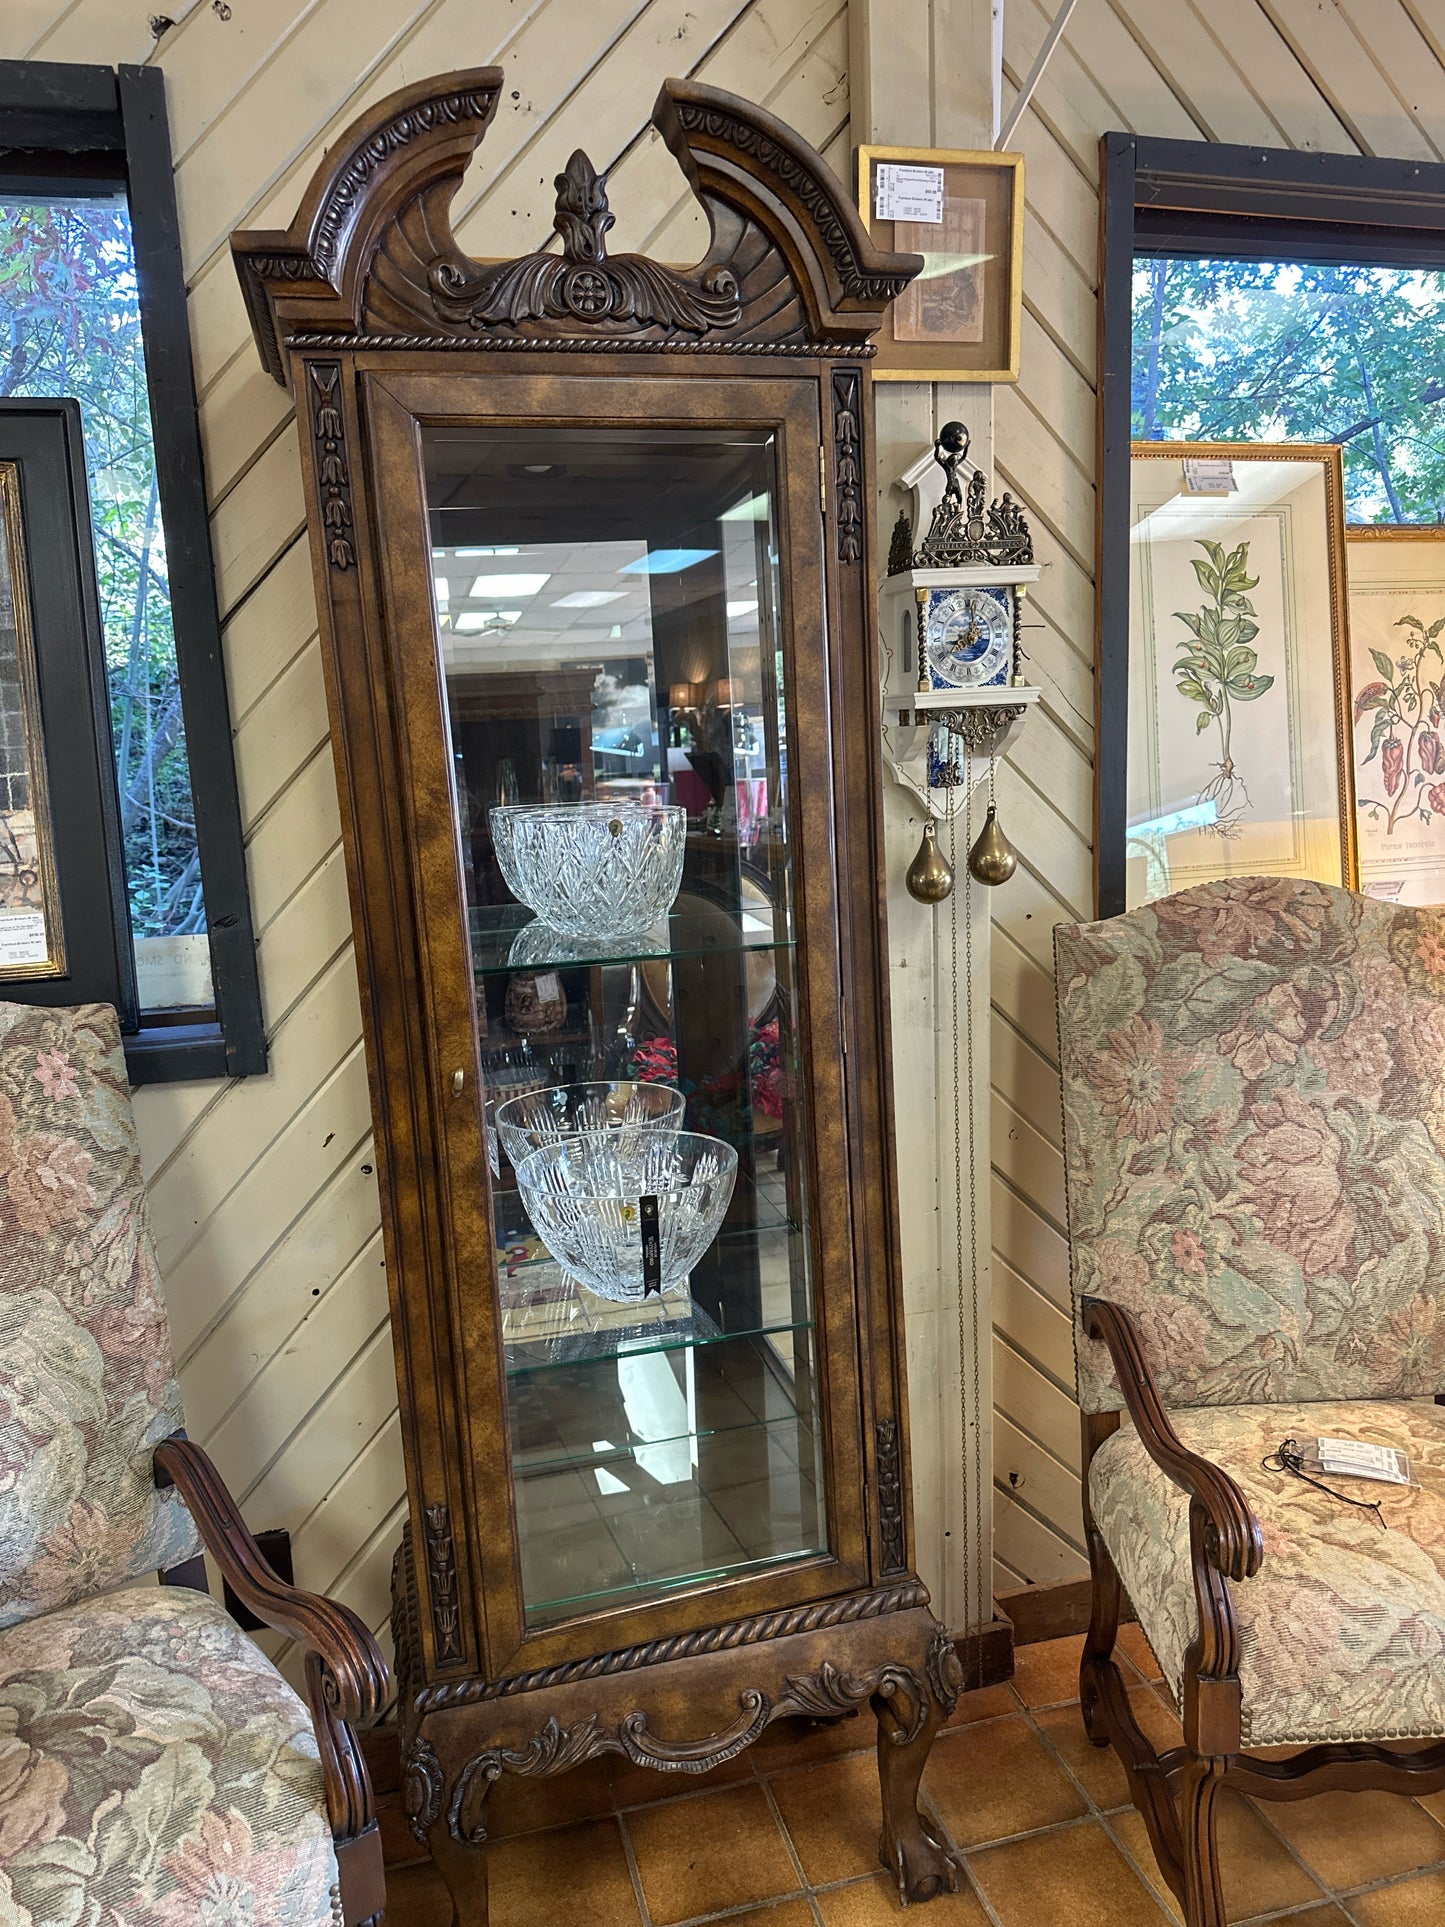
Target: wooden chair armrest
1231, 1541
355, 1681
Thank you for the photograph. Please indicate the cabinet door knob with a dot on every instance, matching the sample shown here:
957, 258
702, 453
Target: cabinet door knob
459, 1078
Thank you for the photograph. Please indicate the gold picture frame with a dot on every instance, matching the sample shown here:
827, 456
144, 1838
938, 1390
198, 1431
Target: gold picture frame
30, 919
964, 321
1220, 781
1396, 589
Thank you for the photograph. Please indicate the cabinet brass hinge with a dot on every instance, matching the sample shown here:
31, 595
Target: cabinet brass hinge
823, 479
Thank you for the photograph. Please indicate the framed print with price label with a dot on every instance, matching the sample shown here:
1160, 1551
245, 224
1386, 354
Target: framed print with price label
963, 211
64, 920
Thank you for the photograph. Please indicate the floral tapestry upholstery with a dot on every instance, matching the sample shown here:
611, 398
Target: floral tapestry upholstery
156, 1769
1254, 1135
86, 1384
1342, 1631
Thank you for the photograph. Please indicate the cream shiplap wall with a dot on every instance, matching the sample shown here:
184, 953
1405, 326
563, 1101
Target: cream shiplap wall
1344, 76
263, 1193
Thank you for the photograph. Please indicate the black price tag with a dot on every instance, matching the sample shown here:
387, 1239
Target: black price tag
651, 1246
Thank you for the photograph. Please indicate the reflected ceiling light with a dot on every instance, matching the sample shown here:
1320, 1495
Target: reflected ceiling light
488, 586
512, 551
440, 584
752, 508
741, 608
666, 562
588, 598
486, 621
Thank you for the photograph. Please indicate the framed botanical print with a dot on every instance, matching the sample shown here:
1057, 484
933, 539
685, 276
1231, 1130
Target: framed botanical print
64, 929
1397, 659
962, 318
1237, 747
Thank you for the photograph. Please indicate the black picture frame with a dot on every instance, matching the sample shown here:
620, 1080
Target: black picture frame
1203, 198
64, 124
43, 439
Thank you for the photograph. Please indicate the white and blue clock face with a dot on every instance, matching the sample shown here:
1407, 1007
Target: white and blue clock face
969, 636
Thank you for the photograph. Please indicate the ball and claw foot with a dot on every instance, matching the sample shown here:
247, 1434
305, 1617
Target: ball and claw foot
920, 1862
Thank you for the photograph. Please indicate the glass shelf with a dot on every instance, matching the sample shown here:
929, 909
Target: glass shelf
630, 1514
550, 1321
506, 938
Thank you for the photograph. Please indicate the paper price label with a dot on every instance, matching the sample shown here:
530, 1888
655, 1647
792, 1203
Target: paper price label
908, 193
22, 938
1355, 1458
1209, 475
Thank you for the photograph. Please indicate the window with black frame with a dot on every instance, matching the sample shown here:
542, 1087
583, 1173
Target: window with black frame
92, 306
1272, 522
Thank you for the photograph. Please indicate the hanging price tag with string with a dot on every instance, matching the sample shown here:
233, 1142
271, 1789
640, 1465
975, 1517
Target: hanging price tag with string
651, 1246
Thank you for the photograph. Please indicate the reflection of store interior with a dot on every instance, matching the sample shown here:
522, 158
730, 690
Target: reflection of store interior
625, 666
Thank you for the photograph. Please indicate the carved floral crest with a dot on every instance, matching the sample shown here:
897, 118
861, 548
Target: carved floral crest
582, 284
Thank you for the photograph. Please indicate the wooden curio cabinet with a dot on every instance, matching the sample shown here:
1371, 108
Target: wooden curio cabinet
593, 546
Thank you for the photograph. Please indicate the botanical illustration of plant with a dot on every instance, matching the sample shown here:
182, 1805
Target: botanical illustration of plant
1405, 733
1219, 669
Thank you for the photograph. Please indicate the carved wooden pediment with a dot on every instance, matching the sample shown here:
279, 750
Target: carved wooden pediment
371, 258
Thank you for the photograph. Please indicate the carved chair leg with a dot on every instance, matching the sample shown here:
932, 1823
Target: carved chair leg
1106, 1595
1199, 1791
464, 1869
1106, 1601
918, 1860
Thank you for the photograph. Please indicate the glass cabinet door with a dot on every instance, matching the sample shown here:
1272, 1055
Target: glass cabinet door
609, 624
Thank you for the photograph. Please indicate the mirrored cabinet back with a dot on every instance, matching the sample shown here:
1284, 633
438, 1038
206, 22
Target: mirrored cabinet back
593, 540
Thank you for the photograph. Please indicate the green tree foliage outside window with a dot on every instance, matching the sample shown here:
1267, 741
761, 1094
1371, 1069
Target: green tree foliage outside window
1258, 351
70, 326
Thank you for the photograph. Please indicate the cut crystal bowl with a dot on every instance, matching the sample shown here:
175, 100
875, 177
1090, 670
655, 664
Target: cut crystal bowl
622, 1105
583, 1195
594, 871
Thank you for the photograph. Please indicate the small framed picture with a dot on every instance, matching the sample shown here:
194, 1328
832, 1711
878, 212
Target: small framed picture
32, 936
1397, 661
962, 319
1237, 741
64, 924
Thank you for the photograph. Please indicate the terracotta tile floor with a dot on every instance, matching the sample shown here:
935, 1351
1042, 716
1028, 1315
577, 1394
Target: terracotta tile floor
786, 1836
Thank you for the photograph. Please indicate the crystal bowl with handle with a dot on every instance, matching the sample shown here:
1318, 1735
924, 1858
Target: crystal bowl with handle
623, 1105
599, 871
583, 1195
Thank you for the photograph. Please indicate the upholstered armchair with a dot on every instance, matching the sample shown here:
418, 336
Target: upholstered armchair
154, 1765
1254, 1130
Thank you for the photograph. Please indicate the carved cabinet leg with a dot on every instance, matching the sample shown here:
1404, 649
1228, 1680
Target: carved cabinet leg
1198, 1794
464, 1869
908, 1722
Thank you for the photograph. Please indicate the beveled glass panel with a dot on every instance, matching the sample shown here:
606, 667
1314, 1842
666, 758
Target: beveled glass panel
608, 608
